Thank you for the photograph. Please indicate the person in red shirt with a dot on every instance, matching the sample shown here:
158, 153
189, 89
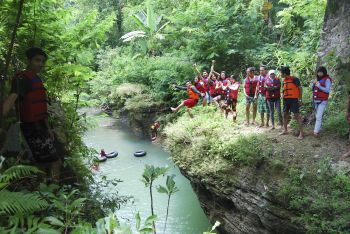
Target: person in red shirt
29, 94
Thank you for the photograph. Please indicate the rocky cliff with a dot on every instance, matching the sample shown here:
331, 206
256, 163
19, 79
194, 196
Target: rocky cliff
334, 47
254, 181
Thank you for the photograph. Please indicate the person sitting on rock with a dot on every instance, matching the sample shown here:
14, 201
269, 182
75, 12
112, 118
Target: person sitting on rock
193, 97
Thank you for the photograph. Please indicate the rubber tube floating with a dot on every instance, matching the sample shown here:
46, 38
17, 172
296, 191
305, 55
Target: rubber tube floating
112, 154
140, 153
101, 159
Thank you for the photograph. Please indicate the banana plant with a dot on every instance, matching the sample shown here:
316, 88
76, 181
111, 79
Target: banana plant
150, 28
169, 190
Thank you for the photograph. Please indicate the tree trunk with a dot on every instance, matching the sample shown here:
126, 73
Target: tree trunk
3, 76
334, 50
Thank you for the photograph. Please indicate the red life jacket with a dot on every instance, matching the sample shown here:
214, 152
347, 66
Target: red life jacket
233, 94
212, 87
250, 86
33, 105
200, 86
276, 93
318, 94
261, 85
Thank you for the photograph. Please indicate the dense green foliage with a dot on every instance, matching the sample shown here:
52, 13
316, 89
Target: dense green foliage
128, 54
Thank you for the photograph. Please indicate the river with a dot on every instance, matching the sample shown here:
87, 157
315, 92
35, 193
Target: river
185, 215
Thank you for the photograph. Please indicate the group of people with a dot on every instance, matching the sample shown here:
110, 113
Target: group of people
263, 94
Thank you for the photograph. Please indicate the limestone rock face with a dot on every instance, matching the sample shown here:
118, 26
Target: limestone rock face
335, 37
247, 209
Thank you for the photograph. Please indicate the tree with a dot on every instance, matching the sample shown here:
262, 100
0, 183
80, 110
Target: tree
170, 190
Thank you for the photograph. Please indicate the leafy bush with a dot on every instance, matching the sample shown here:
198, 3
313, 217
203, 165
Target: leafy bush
320, 197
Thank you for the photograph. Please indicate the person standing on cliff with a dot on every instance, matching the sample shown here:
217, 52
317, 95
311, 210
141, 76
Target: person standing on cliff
273, 97
250, 84
321, 89
292, 99
260, 95
29, 96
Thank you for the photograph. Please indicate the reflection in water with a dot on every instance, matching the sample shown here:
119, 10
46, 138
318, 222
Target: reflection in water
185, 216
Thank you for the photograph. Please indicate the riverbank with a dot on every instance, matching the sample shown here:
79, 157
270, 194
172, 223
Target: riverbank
255, 181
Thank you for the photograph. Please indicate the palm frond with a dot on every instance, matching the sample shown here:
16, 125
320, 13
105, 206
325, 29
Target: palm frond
19, 202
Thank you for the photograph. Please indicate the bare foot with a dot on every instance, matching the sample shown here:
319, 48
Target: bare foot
316, 134
283, 133
273, 128
173, 109
261, 125
301, 137
254, 123
246, 123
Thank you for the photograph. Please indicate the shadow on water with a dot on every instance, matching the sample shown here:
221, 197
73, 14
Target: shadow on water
185, 216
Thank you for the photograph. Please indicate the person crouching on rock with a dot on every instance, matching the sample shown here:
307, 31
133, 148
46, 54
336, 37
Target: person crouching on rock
193, 97
154, 130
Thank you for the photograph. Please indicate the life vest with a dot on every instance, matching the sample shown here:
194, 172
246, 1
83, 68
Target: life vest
212, 87
273, 83
192, 94
233, 94
201, 86
318, 94
261, 85
33, 105
250, 86
290, 89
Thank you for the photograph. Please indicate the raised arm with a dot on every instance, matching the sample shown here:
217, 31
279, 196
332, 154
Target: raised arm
180, 87
198, 72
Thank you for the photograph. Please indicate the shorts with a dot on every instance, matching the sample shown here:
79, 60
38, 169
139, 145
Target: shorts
232, 103
189, 103
250, 100
262, 104
291, 105
39, 142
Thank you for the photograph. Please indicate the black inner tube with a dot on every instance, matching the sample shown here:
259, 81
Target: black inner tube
140, 153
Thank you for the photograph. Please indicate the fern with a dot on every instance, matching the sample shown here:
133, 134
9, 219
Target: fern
20, 203
17, 172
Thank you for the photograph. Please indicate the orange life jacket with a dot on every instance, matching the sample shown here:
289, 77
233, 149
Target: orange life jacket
290, 89
33, 105
192, 94
318, 94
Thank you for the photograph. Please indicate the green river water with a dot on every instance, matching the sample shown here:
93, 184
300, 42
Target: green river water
185, 216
